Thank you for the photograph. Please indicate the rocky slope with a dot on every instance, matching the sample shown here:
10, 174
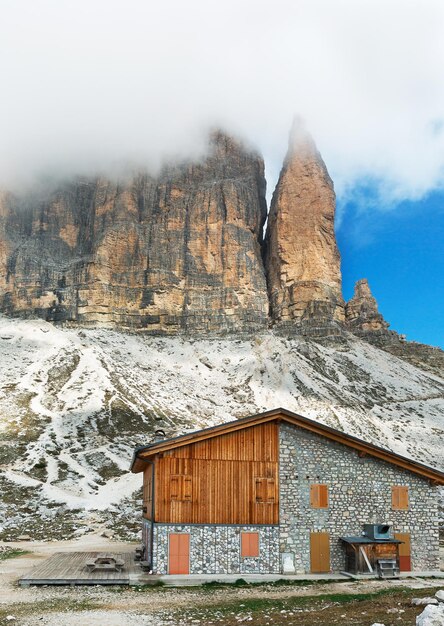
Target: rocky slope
364, 320
178, 252
302, 258
74, 403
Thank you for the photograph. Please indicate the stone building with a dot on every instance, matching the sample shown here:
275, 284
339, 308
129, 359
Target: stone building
280, 493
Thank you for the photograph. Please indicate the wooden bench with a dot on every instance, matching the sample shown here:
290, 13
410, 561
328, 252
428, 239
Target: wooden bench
105, 562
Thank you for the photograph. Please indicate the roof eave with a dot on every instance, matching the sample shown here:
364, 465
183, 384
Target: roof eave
304, 422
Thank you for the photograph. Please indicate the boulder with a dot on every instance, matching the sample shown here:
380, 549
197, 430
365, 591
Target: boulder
424, 601
431, 616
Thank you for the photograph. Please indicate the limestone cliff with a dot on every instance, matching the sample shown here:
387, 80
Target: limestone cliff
302, 258
178, 252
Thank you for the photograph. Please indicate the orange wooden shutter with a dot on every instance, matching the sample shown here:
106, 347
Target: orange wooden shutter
314, 496
400, 498
179, 553
404, 498
319, 496
323, 496
249, 544
270, 490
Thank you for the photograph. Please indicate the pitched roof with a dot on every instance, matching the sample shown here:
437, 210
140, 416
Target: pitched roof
145, 453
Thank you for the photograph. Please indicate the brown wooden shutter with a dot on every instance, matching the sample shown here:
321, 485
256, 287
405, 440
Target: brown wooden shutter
323, 496
314, 496
264, 489
187, 487
404, 498
260, 489
400, 498
174, 488
181, 487
319, 496
270, 489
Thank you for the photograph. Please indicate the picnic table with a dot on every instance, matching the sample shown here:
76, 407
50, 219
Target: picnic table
104, 562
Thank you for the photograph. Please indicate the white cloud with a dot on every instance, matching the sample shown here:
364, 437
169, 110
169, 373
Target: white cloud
91, 83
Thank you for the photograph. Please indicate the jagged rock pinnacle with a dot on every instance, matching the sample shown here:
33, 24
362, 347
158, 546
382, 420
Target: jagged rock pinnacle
302, 258
361, 312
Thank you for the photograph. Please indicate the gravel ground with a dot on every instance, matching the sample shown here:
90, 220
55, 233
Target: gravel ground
155, 606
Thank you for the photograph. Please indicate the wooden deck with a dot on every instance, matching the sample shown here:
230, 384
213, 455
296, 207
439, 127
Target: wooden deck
69, 568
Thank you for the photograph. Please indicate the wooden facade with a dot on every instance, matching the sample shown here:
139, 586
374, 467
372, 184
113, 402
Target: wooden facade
232, 478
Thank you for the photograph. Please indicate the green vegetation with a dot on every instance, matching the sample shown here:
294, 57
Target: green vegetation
329, 609
11, 553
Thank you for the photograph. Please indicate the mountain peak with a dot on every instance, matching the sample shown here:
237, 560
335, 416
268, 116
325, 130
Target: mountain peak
361, 312
302, 256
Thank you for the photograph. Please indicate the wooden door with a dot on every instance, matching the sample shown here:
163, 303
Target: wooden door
320, 553
405, 561
179, 553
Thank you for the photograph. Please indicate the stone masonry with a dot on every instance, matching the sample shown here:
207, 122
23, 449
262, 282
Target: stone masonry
216, 549
359, 491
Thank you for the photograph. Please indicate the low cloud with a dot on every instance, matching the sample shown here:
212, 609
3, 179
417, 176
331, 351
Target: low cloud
106, 84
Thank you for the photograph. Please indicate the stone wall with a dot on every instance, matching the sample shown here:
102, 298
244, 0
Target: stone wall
146, 539
216, 549
359, 492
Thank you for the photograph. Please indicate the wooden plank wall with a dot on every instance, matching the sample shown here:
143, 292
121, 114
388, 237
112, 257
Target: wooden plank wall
224, 486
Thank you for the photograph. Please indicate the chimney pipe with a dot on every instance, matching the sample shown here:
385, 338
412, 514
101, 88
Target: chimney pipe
159, 435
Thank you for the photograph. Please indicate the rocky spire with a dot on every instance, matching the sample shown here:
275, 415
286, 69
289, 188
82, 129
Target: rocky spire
302, 258
361, 312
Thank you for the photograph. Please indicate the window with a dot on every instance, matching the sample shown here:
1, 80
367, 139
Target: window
319, 496
249, 544
264, 489
181, 487
400, 498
